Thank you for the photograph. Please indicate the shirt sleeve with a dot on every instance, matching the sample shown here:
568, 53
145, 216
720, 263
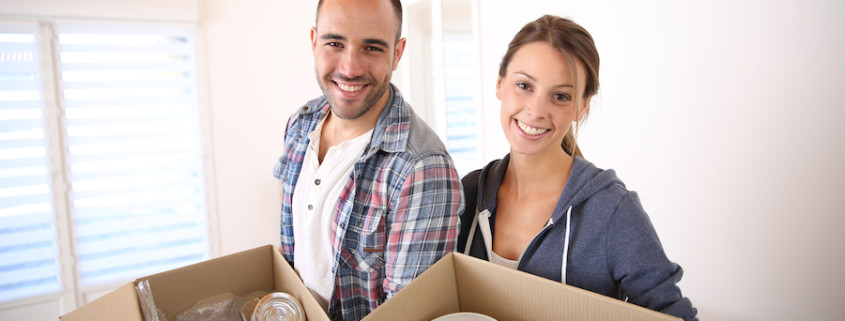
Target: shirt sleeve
423, 224
639, 262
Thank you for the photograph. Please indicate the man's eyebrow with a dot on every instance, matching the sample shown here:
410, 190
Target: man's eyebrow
373, 41
332, 36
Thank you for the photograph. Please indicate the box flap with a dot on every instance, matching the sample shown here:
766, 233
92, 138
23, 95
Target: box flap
432, 294
239, 274
120, 304
287, 280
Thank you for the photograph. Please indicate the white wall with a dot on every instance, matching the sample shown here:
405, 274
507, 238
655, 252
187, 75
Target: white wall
260, 70
723, 116
162, 10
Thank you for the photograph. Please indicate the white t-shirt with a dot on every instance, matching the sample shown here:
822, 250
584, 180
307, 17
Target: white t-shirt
314, 205
498, 259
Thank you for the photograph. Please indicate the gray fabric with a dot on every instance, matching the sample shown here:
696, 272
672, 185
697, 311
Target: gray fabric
613, 247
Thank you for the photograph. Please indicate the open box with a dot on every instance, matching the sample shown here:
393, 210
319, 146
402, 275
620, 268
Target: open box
456, 283
262, 268
461, 283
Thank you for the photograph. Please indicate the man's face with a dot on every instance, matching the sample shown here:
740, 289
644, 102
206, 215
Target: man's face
355, 54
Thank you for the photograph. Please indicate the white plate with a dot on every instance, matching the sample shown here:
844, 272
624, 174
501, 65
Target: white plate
464, 316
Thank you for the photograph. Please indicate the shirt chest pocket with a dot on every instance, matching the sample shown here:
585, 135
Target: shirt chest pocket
367, 232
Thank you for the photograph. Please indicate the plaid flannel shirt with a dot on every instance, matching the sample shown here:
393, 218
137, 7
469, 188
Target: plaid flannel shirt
396, 216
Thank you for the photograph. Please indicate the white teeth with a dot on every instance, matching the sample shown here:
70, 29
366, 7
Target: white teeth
349, 88
530, 130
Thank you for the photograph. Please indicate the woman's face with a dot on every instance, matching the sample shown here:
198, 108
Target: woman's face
538, 94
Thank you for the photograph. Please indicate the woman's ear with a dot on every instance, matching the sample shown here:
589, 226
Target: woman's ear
585, 107
499, 88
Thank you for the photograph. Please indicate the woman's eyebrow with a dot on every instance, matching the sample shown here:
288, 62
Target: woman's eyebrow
534, 79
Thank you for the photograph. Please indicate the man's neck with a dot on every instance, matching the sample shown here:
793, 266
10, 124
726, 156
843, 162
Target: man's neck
337, 130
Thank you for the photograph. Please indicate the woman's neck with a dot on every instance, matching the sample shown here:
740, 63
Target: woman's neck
534, 175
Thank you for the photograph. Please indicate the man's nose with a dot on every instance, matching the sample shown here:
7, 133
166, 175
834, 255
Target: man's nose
351, 64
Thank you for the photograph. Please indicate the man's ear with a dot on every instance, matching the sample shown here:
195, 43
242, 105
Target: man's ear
313, 38
398, 51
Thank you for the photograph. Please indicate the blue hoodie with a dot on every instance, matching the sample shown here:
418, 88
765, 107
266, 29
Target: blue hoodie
611, 247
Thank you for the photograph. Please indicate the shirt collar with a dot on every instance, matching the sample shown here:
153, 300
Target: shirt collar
392, 129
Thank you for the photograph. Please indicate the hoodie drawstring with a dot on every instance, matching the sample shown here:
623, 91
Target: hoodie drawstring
566, 245
486, 236
488, 239
471, 232
486, 233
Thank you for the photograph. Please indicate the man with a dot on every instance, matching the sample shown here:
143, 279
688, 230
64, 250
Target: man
370, 197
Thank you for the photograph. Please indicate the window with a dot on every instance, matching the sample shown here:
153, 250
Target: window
28, 252
130, 161
462, 125
441, 76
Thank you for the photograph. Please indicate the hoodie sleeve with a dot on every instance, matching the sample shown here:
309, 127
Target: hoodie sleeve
639, 264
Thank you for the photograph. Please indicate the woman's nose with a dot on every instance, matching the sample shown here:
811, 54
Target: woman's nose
536, 106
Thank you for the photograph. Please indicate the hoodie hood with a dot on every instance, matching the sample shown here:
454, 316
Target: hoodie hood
585, 180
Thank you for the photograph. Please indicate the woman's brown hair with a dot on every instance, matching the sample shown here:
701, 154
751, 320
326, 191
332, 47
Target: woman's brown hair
574, 42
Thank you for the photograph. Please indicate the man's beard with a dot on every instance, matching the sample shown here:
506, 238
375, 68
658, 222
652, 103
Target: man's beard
368, 103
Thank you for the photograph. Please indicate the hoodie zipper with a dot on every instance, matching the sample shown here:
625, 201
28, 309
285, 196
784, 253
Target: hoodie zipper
566, 239
486, 238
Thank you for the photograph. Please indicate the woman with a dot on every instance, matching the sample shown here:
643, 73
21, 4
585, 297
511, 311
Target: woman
545, 210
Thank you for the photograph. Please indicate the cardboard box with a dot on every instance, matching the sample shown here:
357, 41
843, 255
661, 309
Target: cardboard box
461, 283
262, 268
456, 283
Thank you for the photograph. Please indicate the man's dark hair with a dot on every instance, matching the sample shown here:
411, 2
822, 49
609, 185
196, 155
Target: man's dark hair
397, 9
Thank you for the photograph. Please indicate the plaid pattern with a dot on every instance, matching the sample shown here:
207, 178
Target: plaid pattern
397, 215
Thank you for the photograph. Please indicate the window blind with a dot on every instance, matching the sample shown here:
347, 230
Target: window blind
462, 128
134, 149
28, 264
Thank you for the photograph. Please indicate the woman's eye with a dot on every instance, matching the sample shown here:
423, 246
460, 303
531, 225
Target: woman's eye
561, 97
523, 85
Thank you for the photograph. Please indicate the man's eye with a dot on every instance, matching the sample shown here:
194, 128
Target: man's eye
371, 48
334, 44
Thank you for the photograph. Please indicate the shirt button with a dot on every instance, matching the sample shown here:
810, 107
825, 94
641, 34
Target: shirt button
310, 207
317, 181
342, 225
